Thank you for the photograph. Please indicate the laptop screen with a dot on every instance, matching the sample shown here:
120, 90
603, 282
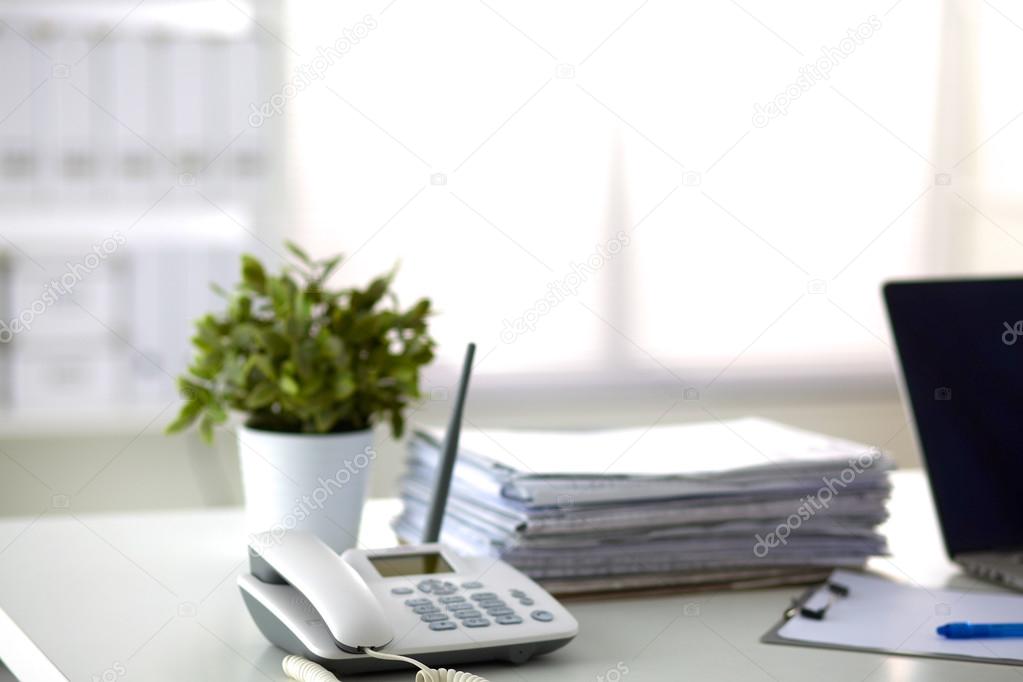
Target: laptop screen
961, 348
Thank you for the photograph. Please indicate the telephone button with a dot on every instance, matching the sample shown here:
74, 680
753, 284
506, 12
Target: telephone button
475, 622
518, 594
467, 614
490, 603
542, 616
451, 600
434, 617
526, 601
508, 620
472, 585
425, 608
443, 625
500, 611
417, 602
401, 590
483, 596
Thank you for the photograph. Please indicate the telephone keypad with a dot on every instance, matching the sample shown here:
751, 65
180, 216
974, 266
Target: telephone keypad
469, 613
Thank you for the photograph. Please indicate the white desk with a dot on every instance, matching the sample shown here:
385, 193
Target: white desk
152, 597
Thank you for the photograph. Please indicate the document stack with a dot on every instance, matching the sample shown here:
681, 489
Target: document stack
747, 502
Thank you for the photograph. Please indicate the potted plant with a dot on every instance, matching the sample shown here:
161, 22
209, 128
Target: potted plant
312, 368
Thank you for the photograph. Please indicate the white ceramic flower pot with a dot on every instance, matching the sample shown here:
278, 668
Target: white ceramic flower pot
311, 482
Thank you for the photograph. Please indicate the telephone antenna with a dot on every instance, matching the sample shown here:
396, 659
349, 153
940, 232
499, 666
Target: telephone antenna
448, 454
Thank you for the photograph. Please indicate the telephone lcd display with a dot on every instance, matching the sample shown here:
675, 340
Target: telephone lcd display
410, 564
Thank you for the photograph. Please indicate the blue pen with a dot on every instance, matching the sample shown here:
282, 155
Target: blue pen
980, 630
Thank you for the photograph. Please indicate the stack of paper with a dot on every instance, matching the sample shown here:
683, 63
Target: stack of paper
739, 502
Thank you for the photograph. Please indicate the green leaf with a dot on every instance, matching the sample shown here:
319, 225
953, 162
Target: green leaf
186, 416
406, 377
323, 421
276, 343
191, 390
253, 274
240, 308
397, 423
261, 395
297, 251
206, 429
328, 267
306, 356
247, 336
344, 387
280, 296
216, 412
421, 309
332, 347
288, 385
207, 331
263, 364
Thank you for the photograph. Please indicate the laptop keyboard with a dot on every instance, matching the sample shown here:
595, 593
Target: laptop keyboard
1001, 568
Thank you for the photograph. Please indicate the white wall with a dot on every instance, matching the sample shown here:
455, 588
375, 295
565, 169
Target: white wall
108, 468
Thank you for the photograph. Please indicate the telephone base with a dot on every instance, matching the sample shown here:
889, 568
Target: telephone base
277, 633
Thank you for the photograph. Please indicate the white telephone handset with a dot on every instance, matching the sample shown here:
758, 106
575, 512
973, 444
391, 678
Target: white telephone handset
340, 596
367, 610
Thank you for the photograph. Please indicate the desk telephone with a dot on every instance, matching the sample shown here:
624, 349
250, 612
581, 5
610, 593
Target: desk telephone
423, 601
368, 610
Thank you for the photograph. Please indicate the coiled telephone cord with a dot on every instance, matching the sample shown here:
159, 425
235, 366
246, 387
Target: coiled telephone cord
304, 670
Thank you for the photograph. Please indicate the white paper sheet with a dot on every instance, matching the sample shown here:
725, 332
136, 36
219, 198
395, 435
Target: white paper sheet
678, 450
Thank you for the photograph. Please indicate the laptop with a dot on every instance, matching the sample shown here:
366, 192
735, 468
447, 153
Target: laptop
960, 345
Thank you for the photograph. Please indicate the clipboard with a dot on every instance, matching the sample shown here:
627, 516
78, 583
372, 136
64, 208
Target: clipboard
878, 615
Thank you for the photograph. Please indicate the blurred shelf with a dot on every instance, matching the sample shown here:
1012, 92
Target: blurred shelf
71, 423
78, 226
